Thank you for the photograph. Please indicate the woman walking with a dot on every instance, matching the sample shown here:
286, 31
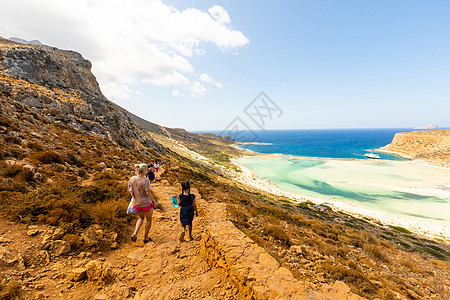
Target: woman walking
187, 204
143, 200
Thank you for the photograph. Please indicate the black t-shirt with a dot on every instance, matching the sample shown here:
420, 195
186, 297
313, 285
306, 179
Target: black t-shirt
150, 175
186, 200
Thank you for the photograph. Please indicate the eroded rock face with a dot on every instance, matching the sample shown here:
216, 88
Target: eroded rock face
45, 65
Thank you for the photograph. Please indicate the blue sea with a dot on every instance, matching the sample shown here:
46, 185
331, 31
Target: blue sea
325, 143
330, 165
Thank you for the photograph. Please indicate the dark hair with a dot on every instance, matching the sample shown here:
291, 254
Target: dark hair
185, 186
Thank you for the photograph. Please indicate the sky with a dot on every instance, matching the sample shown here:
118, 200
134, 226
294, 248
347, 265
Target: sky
202, 65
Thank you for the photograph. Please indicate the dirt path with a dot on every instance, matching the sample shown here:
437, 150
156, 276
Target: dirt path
162, 269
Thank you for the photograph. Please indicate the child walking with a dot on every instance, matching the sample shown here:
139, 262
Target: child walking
186, 201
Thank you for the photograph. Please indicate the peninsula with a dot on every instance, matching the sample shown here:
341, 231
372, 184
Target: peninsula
428, 146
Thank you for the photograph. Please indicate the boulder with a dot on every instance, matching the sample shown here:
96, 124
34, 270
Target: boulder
296, 249
34, 232
89, 237
77, 274
101, 297
60, 247
30, 168
52, 235
99, 271
121, 290
6, 258
5, 240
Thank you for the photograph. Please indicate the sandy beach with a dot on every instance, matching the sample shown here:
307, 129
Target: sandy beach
428, 229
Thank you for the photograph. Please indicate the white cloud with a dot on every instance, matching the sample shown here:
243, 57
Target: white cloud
220, 14
127, 41
177, 93
205, 78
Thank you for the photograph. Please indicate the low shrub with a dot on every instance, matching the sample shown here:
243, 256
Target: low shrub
278, 233
35, 146
240, 216
13, 186
24, 176
13, 140
350, 276
400, 229
47, 157
411, 265
60, 209
376, 252
14, 151
11, 171
74, 160
111, 214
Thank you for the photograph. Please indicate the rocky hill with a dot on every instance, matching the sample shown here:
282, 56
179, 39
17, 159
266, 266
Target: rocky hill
71, 95
431, 146
66, 154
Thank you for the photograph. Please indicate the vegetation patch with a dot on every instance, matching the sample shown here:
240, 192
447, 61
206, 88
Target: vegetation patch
400, 229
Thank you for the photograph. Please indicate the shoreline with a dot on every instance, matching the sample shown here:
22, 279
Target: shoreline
250, 179
419, 162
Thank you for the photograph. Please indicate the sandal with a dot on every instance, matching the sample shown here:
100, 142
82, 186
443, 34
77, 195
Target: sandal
133, 238
147, 240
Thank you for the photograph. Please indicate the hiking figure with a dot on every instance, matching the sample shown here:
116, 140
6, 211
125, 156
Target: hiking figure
188, 207
143, 200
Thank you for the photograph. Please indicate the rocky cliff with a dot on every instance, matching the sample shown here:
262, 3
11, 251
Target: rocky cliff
431, 146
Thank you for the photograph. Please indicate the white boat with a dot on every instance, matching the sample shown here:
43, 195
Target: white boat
372, 155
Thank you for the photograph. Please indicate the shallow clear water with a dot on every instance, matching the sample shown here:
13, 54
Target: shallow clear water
394, 187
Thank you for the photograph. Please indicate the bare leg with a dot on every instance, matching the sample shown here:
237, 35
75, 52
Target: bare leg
148, 223
139, 223
183, 226
190, 232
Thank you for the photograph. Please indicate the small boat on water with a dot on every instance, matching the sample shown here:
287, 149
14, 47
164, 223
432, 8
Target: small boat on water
372, 155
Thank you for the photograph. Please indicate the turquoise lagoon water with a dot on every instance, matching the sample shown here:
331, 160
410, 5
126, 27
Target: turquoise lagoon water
333, 168
397, 188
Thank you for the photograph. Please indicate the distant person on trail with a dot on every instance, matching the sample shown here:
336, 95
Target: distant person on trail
143, 200
186, 201
156, 166
151, 174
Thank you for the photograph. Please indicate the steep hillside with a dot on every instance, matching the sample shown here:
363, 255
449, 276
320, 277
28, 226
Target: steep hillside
66, 154
431, 146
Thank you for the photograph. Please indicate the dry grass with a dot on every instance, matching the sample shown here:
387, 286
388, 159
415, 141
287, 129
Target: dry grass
278, 233
376, 251
71, 206
47, 157
411, 265
441, 263
352, 277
